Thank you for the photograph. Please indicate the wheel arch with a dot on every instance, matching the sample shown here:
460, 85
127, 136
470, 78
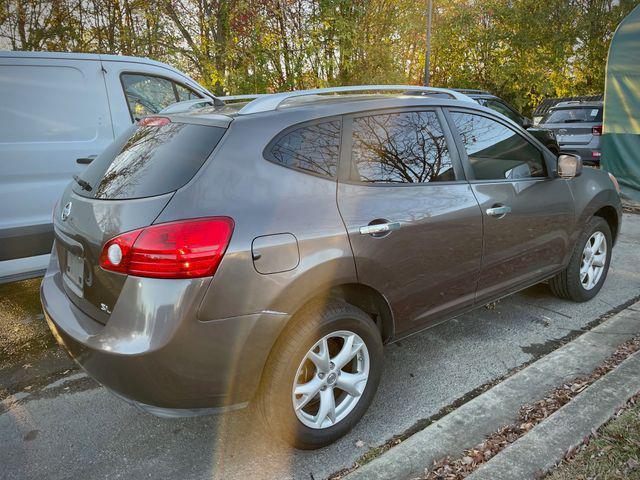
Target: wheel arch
605, 203
368, 299
362, 296
610, 215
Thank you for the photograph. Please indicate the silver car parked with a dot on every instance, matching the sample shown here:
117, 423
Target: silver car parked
578, 128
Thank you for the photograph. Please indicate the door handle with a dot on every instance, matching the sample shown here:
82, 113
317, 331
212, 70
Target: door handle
379, 228
86, 160
499, 211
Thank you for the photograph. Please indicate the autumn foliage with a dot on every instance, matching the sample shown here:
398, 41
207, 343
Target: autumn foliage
522, 50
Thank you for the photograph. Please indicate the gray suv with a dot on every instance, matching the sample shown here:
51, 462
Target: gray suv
578, 128
266, 251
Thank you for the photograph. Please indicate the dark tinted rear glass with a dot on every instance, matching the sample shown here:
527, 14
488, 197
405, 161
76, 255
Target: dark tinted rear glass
574, 115
313, 148
150, 160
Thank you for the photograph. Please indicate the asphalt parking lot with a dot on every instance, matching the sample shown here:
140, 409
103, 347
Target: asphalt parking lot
56, 423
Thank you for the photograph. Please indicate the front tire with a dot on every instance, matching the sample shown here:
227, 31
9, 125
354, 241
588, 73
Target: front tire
587, 270
321, 375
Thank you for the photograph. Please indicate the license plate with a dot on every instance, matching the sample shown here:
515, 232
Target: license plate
75, 272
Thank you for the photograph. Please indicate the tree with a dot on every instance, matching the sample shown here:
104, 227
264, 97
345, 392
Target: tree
522, 50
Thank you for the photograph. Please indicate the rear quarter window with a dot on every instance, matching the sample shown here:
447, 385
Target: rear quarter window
313, 148
150, 160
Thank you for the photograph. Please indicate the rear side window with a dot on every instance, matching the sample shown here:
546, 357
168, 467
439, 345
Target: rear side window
495, 151
574, 115
150, 160
313, 148
407, 147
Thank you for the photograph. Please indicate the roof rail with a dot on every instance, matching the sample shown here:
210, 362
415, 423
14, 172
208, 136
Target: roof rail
472, 91
241, 97
271, 102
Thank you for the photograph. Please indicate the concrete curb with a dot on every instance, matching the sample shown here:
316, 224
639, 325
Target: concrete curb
472, 422
542, 447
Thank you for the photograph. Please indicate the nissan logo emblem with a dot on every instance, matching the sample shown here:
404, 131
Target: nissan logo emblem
66, 211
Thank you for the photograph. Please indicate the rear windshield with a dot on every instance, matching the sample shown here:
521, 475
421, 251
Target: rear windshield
574, 115
147, 161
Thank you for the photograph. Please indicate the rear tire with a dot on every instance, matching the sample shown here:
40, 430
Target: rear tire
327, 332
587, 270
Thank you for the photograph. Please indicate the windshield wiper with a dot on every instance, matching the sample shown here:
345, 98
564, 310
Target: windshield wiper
83, 184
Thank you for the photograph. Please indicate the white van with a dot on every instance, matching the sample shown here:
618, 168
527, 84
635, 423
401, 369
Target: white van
57, 112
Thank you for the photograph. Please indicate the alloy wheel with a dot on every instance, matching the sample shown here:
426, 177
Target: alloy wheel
330, 379
594, 259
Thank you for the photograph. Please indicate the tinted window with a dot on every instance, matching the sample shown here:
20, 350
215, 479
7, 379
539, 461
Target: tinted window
314, 148
147, 161
574, 115
404, 147
495, 151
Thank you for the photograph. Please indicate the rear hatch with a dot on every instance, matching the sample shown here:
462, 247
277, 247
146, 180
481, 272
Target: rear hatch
573, 125
123, 189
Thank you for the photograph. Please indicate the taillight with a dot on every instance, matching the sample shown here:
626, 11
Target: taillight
154, 121
597, 130
184, 249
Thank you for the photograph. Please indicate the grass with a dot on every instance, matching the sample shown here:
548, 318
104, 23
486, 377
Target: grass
614, 453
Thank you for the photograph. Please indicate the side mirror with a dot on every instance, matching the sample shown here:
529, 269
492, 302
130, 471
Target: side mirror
526, 123
569, 166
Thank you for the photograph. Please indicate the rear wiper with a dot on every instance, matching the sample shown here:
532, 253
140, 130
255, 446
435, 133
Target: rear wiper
83, 184
573, 120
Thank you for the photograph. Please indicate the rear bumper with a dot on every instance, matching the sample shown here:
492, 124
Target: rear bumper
154, 351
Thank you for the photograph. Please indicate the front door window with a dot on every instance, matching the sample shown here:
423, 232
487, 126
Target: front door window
497, 152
